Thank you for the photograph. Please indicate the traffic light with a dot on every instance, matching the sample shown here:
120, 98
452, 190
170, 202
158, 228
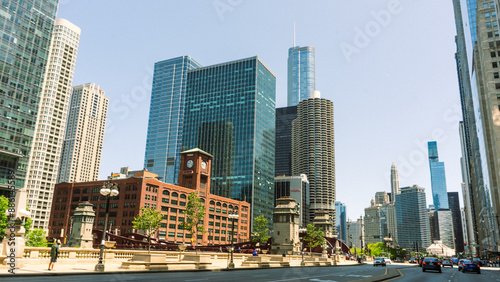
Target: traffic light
465, 243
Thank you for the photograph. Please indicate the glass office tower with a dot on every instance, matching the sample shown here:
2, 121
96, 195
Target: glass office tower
230, 113
283, 157
438, 178
412, 220
301, 74
166, 117
26, 32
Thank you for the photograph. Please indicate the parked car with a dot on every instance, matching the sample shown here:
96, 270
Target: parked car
379, 261
447, 262
413, 260
431, 264
460, 262
471, 266
454, 260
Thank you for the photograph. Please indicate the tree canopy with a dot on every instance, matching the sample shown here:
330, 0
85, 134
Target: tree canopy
195, 212
260, 230
149, 220
314, 237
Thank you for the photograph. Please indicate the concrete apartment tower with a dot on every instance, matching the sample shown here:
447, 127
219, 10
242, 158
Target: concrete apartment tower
394, 182
43, 165
28, 27
84, 138
313, 152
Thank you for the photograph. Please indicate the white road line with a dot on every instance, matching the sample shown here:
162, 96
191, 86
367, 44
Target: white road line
300, 278
196, 280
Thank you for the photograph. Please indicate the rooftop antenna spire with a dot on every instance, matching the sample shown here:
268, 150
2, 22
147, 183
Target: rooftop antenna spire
293, 34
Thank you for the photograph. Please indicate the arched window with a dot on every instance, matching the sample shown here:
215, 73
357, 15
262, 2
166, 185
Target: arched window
230, 207
224, 205
218, 204
175, 194
202, 200
183, 196
212, 202
165, 192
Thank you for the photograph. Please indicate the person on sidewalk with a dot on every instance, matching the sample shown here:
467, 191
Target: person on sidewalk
54, 253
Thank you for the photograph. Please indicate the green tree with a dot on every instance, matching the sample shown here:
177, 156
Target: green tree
314, 237
149, 220
4, 205
36, 238
195, 212
261, 229
376, 249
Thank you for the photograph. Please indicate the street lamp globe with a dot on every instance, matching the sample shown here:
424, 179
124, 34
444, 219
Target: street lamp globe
105, 191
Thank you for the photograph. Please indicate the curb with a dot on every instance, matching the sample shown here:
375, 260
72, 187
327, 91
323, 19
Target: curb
155, 271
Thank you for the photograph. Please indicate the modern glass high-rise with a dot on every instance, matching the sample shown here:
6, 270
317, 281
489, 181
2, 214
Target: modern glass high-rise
341, 220
166, 113
413, 224
230, 113
301, 74
438, 178
24, 48
48, 141
453, 200
283, 155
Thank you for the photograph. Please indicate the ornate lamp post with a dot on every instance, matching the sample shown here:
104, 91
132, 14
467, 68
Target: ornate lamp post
108, 189
232, 216
302, 247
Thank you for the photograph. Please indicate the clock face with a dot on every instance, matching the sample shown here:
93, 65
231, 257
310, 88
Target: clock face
203, 165
190, 163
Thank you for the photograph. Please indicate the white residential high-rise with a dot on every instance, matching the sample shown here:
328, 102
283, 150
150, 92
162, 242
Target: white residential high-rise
82, 151
394, 182
43, 164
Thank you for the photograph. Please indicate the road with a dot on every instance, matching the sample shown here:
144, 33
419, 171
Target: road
448, 275
313, 274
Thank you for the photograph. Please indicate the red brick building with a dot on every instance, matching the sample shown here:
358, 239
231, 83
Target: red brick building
144, 190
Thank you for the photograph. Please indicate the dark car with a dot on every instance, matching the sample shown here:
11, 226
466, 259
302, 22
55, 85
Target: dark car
447, 262
471, 266
431, 264
477, 261
460, 263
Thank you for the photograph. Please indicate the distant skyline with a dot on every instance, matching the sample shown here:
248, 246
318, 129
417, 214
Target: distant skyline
389, 71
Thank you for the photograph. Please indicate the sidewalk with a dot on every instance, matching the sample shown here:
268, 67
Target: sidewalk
78, 269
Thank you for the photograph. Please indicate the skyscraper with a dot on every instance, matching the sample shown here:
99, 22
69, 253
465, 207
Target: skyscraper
283, 154
413, 224
81, 159
456, 215
27, 29
341, 220
230, 113
301, 74
166, 114
394, 182
477, 26
313, 152
438, 178
51, 121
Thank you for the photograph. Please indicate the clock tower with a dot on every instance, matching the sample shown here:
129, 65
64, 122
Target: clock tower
194, 172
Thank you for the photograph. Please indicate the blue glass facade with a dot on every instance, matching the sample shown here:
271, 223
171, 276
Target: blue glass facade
166, 117
471, 11
26, 28
438, 178
230, 113
301, 74
341, 220
411, 217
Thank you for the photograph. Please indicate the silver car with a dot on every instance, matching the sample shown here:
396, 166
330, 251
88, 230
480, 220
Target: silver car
447, 262
379, 261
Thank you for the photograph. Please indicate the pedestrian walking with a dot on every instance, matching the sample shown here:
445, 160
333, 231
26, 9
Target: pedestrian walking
54, 253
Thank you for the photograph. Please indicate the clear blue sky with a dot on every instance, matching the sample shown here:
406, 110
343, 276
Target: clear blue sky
388, 66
